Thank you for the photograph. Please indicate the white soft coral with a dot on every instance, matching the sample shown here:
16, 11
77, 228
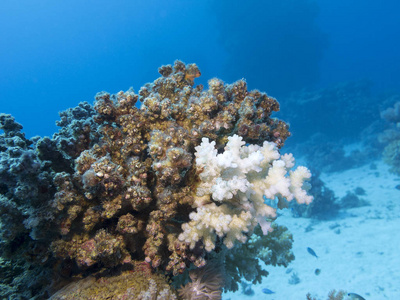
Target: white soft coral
232, 189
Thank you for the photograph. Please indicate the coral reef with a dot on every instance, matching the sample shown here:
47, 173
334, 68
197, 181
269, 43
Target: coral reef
391, 137
351, 200
324, 206
120, 185
26, 189
391, 156
333, 295
243, 260
77, 133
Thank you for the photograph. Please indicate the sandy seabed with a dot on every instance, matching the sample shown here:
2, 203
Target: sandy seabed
358, 251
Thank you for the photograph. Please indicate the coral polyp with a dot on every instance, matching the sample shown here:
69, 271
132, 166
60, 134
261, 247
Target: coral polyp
206, 284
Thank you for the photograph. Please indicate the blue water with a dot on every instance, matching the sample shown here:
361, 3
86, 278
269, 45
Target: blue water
55, 54
334, 66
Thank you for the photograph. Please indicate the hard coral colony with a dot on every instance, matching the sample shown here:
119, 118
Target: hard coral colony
177, 183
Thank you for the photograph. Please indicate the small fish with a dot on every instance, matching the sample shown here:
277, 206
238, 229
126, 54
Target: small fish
312, 252
354, 296
267, 291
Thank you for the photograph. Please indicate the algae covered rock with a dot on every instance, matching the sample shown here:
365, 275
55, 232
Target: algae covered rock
139, 283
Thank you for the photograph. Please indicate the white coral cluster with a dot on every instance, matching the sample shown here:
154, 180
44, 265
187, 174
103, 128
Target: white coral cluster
230, 199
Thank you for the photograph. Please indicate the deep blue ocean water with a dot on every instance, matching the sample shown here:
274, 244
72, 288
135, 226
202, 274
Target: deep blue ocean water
334, 66
55, 54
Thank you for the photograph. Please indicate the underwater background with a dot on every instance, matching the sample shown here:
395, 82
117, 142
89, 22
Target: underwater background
333, 66
60, 53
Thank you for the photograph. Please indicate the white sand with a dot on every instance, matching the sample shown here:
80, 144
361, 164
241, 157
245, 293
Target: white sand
359, 251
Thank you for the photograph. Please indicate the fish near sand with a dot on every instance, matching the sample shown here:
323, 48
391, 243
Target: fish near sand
267, 291
312, 252
354, 296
